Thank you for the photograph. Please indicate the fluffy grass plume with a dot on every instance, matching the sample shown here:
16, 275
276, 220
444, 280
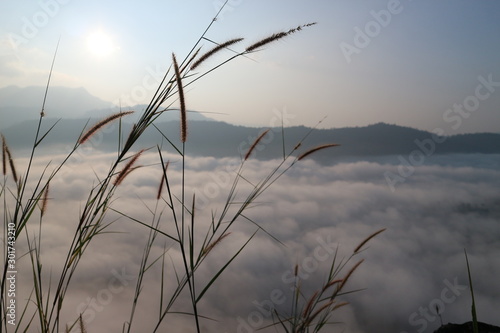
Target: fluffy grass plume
182, 101
313, 150
7, 155
127, 168
331, 283
276, 36
101, 124
310, 304
215, 243
255, 143
45, 200
214, 51
356, 250
325, 307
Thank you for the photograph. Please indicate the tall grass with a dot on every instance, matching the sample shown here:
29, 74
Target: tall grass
24, 210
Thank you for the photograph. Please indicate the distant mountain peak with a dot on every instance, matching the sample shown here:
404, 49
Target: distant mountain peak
467, 328
24, 103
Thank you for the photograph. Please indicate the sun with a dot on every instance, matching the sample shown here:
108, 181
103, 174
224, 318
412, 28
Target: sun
100, 44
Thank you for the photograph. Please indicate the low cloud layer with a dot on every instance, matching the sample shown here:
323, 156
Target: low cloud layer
417, 264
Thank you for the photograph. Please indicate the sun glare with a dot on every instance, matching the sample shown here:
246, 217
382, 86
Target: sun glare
100, 44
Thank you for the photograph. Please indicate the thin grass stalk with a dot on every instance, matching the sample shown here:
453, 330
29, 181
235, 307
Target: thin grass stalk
22, 187
192, 265
310, 304
189, 273
181, 284
4, 156
283, 137
37, 284
216, 276
207, 29
162, 280
162, 181
276, 173
348, 275
143, 267
326, 309
311, 316
89, 226
190, 60
296, 296
475, 327
42, 112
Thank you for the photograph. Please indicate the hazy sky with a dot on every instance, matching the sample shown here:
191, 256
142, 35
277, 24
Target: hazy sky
404, 62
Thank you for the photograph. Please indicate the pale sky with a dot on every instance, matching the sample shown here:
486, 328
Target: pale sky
426, 64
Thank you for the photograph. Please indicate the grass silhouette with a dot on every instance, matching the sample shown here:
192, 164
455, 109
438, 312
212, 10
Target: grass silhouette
24, 209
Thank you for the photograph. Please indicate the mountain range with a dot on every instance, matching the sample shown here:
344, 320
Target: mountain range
220, 139
19, 104
207, 137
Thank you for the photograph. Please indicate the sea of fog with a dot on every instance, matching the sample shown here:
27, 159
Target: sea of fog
414, 276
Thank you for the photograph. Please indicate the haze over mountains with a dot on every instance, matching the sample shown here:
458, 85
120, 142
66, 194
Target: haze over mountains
20, 108
19, 104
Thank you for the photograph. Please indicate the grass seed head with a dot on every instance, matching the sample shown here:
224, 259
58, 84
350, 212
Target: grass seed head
214, 51
356, 250
127, 169
101, 124
276, 36
211, 246
255, 143
45, 200
6, 155
182, 101
313, 150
